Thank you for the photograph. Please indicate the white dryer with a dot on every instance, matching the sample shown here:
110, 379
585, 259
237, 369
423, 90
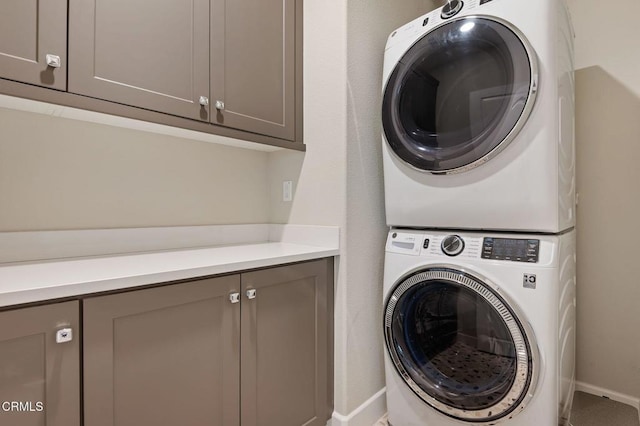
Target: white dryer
479, 328
478, 113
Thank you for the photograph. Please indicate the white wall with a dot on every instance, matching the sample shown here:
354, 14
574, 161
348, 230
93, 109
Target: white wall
608, 38
368, 25
57, 173
608, 225
339, 180
319, 173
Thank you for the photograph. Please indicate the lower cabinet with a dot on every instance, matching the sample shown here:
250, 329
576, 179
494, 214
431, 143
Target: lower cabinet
249, 349
284, 370
39, 366
163, 356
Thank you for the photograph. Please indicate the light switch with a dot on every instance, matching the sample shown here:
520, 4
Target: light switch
287, 190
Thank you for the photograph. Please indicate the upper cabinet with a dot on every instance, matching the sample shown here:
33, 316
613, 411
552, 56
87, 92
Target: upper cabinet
149, 55
253, 67
33, 42
226, 67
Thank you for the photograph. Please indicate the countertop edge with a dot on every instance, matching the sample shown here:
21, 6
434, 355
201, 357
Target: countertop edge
43, 281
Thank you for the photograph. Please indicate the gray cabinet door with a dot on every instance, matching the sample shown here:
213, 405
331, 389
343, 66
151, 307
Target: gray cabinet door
284, 369
153, 55
29, 31
164, 356
253, 65
39, 378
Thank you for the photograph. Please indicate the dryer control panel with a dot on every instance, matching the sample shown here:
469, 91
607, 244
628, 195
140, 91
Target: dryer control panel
514, 249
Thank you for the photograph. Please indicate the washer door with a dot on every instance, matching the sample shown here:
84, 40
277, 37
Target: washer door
459, 346
459, 95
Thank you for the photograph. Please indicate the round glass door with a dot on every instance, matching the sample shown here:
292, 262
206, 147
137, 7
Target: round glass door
458, 345
459, 95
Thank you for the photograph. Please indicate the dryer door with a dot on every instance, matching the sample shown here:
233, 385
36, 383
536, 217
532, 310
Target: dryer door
459, 95
459, 345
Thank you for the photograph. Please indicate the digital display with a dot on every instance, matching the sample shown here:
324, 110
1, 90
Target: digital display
502, 247
514, 249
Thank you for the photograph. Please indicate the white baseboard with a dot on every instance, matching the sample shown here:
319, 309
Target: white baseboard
615, 396
367, 414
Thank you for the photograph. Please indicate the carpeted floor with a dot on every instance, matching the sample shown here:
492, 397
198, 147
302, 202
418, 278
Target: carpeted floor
591, 410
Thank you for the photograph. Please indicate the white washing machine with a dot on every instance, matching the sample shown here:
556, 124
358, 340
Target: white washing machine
479, 328
478, 118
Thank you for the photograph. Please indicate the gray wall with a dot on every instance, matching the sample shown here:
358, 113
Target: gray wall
57, 173
608, 149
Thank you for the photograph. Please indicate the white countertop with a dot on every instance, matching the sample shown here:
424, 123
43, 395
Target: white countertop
34, 281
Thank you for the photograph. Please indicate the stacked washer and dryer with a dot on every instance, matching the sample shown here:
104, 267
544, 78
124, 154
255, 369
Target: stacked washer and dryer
479, 176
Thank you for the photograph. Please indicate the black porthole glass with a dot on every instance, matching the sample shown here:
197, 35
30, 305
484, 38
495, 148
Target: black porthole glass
457, 94
458, 345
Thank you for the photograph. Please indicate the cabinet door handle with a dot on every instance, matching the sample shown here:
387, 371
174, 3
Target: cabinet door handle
204, 101
219, 105
53, 61
251, 294
234, 297
64, 335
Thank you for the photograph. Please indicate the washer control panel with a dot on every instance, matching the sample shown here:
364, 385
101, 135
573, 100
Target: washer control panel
468, 246
514, 249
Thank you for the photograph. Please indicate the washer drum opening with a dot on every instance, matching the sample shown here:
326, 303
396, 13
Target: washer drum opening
459, 345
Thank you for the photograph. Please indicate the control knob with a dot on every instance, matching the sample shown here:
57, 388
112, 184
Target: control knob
451, 9
452, 245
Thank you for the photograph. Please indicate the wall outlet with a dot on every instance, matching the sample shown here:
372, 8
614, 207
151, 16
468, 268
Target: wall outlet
287, 190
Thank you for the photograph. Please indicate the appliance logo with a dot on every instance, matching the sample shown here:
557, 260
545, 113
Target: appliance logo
529, 281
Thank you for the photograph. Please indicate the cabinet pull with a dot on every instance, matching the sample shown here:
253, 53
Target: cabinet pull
234, 297
204, 101
219, 105
64, 335
251, 294
53, 61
